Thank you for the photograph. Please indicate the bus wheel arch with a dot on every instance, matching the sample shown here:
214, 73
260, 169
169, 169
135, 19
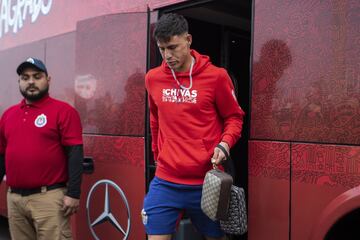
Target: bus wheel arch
336, 214
347, 227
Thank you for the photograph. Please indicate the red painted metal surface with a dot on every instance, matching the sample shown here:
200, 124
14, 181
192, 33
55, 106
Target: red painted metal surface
321, 173
305, 71
3, 202
120, 159
326, 165
110, 70
338, 207
305, 87
62, 16
115, 107
269, 191
60, 62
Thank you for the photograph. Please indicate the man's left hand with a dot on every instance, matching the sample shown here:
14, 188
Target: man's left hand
70, 205
218, 156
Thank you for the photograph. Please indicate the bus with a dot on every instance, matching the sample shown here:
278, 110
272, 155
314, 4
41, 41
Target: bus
295, 67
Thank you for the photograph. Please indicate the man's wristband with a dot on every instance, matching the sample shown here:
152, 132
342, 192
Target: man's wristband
223, 150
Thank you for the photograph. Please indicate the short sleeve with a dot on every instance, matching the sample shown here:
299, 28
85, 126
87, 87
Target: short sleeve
70, 127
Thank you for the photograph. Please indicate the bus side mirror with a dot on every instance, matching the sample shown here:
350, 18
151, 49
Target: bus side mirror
88, 165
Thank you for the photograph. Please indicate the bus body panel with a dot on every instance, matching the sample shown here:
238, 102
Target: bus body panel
306, 88
110, 67
320, 173
343, 204
60, 62
304, 106
305, 71
110, 97
62, 16
120, 160
269, 193
98, 67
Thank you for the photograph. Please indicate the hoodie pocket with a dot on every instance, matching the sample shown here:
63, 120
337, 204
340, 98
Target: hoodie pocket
184, 158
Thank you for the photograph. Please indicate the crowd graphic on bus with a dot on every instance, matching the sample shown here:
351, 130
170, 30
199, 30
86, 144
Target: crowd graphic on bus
103, 114
324, 114
313, 112
275, 58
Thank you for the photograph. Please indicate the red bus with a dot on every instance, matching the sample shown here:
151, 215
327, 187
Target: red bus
295, 65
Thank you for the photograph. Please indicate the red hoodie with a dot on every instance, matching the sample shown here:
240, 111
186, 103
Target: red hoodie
186, 125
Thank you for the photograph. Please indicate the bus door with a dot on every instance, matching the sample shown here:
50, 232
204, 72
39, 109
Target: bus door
110, 64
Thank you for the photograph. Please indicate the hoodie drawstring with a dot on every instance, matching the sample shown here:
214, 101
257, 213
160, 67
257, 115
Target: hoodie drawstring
190, 75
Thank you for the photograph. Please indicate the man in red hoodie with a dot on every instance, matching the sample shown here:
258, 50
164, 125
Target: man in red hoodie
194, 120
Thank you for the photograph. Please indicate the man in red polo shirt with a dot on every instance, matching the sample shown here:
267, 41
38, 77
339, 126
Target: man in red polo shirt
42, 153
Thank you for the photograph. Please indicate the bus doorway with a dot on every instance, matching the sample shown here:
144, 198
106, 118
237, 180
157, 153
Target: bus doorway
221, 30
228, 47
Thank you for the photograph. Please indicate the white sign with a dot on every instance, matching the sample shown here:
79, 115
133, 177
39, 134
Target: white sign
13, 13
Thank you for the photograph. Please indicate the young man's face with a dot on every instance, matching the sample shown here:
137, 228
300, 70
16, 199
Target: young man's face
33, 84
176, 52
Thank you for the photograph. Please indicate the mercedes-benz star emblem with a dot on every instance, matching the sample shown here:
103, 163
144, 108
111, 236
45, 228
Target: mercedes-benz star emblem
106, 215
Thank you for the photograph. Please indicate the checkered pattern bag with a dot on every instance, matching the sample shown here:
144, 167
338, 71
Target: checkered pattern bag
215, 196
223, 201
237, 221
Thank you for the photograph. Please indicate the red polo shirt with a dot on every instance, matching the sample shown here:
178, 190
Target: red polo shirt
32, 137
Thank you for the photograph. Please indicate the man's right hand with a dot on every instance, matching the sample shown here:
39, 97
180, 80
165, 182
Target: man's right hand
70, 205
219, 156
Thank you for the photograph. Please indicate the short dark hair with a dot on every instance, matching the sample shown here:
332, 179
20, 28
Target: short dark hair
170, 24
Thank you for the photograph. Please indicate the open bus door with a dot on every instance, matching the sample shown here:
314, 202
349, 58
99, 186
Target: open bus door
110, 63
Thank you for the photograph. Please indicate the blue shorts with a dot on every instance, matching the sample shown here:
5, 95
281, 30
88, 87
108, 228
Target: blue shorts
166, 202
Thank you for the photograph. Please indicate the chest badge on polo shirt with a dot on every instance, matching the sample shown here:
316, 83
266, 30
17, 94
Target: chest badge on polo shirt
40, 120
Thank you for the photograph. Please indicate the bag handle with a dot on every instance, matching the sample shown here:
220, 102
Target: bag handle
228, 164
